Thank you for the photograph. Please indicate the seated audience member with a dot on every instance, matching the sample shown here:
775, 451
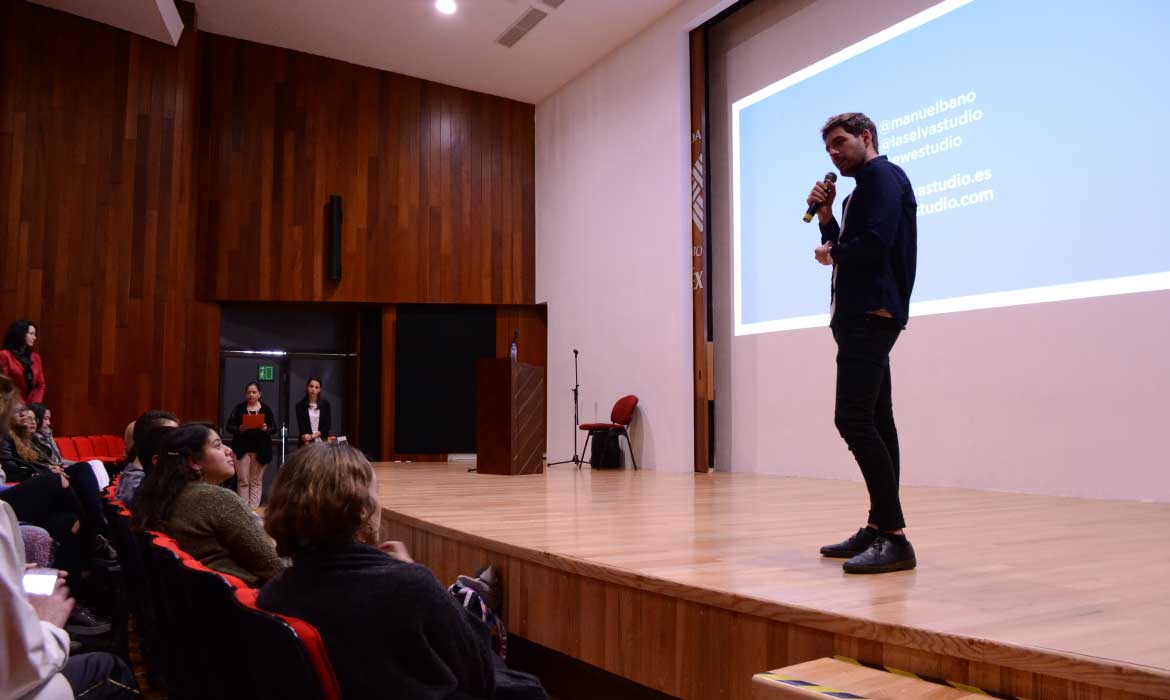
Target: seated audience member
43, 432
45, 501
48, 502
19, 460
147, 451
18, 449
182, 496
37, 665
128, 442
42, 441
133, 472
390, 628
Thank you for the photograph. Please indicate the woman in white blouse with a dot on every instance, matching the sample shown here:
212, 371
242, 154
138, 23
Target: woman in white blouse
314, 416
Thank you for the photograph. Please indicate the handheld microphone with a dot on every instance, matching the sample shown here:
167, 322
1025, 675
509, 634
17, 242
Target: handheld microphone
812, 208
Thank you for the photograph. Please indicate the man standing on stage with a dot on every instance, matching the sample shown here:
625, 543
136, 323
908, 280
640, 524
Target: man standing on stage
873, 252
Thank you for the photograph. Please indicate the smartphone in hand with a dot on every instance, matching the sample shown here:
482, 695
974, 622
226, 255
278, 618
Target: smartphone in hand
40, 581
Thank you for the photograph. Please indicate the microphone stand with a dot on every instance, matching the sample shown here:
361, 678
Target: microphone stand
577, 459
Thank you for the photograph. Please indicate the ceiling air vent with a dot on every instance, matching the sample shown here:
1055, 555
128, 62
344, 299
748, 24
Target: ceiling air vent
554, 4
516, 32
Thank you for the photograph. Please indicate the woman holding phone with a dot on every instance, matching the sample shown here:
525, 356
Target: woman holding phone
314, 414
251, 425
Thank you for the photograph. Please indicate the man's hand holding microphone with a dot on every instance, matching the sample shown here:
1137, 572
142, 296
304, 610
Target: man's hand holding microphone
820, 202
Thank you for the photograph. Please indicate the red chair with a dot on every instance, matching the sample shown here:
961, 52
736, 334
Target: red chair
199, 614
68, 449
101, 449
115, 447
620, 417
286, 655
85, 449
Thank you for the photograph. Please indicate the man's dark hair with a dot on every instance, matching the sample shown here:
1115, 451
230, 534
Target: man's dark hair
151, 445
145, 423
853, 123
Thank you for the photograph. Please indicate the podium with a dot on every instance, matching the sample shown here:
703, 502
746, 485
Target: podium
510, 417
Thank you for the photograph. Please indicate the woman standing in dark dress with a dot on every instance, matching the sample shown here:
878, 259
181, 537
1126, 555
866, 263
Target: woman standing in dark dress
314, 414
253, 447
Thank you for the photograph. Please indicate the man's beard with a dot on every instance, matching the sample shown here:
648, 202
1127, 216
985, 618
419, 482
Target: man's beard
852, 167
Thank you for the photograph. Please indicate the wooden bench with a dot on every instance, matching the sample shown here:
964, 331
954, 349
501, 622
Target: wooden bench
830, 678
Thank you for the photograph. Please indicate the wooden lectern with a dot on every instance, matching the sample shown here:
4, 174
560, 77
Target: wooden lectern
510, 433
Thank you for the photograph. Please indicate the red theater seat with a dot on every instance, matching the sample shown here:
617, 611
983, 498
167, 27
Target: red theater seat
107, 448
101, 450
68, 448
85, 449
281, 650
115, 447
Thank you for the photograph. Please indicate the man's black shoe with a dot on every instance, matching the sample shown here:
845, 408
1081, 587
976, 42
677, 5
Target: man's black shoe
103, 550
887, 553
851, 547
85, 622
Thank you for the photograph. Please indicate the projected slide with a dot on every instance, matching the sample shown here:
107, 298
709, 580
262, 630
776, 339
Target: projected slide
1033, 132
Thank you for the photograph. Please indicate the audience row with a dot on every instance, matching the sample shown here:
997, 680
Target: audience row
388, 625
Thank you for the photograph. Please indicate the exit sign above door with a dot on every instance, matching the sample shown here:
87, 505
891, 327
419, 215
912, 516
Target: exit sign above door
265, 373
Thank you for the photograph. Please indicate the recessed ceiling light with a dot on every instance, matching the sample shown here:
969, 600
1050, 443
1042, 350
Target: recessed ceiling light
447, 7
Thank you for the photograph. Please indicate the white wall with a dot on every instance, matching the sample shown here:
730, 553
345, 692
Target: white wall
613, 240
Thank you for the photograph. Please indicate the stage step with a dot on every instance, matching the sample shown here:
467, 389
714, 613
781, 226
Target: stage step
831, 678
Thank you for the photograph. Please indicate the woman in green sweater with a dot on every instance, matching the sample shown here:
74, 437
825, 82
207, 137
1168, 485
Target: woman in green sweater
182, 496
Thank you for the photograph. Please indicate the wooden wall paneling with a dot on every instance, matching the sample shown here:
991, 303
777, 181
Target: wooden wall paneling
702, 348
532, 322
97, 187
200, 173
525, 284
423, 220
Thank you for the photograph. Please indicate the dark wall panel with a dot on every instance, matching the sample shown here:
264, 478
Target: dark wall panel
288, 327
436, 182
370, 382
97, 217
435, 398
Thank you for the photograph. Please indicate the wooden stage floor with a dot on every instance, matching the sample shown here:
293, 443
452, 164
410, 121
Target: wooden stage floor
686, 582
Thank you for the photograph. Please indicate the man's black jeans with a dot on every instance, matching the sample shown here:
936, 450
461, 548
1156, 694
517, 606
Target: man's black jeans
864, 412
100, 676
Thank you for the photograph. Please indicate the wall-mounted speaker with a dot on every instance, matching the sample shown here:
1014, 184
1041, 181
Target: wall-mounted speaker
333, 218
